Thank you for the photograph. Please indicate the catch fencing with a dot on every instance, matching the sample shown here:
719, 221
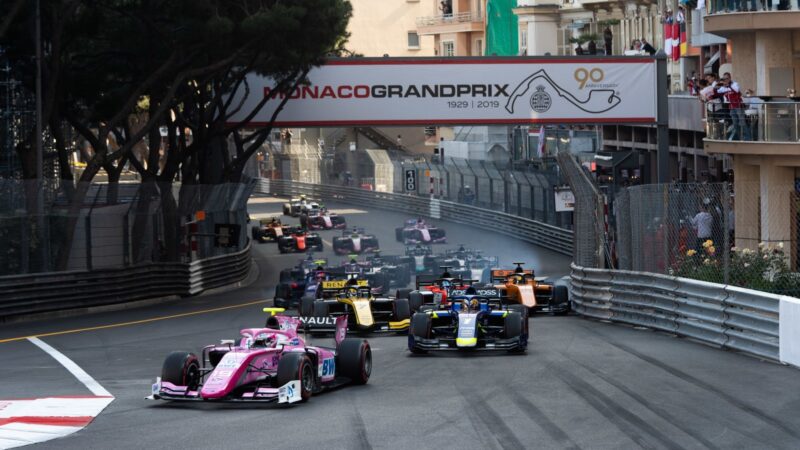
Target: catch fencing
523, 191
120, 225
700, 231
724, 316
523, 229
591, 238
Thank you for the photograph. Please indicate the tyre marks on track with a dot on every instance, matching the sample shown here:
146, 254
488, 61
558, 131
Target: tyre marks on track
541, 419
757, 413
657, 410
360, 428
627, 422
484, 416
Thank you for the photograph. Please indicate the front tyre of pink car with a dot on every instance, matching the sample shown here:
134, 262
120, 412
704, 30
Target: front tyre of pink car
354, 360
181, 369
297, 366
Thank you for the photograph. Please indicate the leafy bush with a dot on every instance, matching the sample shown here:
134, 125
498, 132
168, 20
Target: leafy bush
764, 269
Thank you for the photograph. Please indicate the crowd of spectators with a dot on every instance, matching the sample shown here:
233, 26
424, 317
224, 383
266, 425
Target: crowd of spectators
730, 113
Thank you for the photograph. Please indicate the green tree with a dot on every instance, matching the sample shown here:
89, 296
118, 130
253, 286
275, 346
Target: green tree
123, 68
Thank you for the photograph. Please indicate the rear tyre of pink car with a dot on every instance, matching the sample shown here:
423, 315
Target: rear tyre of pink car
297, 366
181, 369
354, 360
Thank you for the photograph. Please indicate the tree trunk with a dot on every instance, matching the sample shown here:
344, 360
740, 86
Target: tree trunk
172, 223
142, 237
112, 193
73, 214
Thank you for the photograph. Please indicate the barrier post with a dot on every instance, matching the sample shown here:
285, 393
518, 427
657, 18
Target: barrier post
662, 121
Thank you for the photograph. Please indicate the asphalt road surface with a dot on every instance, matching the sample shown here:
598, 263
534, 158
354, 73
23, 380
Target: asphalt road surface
582, 383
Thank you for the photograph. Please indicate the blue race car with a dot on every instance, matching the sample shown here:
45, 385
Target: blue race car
470, 321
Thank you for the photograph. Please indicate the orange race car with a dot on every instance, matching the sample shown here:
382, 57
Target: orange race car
269, 230
521, 286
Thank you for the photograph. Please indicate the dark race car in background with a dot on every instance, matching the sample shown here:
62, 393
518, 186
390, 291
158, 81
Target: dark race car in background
383, 272
355, 241
293, 281
417, 231
322, 219
298, 239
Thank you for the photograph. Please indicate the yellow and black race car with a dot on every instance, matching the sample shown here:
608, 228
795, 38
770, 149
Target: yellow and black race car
353, 297
521, 286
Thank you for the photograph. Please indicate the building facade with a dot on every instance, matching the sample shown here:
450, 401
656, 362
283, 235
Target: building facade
389, 27
457, 27
764, 56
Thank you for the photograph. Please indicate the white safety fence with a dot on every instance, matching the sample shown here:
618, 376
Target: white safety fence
752, 322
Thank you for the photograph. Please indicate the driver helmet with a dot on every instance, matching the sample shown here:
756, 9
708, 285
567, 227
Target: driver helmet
268, 341
474, 304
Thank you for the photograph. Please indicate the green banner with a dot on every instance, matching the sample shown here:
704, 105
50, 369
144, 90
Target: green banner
502, 28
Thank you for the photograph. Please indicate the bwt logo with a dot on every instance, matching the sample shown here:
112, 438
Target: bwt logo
598, 101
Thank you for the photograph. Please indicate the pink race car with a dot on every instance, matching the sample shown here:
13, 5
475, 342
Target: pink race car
271, 364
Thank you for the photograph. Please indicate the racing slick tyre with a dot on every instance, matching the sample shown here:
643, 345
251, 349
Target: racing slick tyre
287, 209
307, 306
320, 309
561, 297
420, 328
401, 309
415, 301
354, 360
402, 293
254, 233
286, 276
512, 328
398, 233
523, 312
181, 369
319, 247
297, 366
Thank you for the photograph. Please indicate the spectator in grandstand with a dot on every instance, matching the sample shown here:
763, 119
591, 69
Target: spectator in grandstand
752, 112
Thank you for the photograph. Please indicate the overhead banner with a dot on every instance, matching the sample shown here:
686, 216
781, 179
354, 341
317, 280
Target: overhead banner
460, 91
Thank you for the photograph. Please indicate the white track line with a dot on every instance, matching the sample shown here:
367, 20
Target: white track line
74, 369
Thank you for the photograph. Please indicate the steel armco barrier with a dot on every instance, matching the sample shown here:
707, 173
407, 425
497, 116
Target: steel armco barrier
47, 292
723, 316
527, 230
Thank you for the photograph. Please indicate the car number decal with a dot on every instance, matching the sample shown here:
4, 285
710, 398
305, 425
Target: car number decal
327, 368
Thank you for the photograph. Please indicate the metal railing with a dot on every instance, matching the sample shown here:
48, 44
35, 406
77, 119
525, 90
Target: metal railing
441, 19
527, 230
724, 316
757, 121
737, 6
59, 291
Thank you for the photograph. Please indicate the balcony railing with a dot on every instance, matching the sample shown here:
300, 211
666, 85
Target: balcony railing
762, 121
444, 19
738, 6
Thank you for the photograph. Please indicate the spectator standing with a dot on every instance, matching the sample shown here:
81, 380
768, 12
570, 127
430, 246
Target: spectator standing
592, 48
647, 47
752, 112
703, 224
733, 100
608, 37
